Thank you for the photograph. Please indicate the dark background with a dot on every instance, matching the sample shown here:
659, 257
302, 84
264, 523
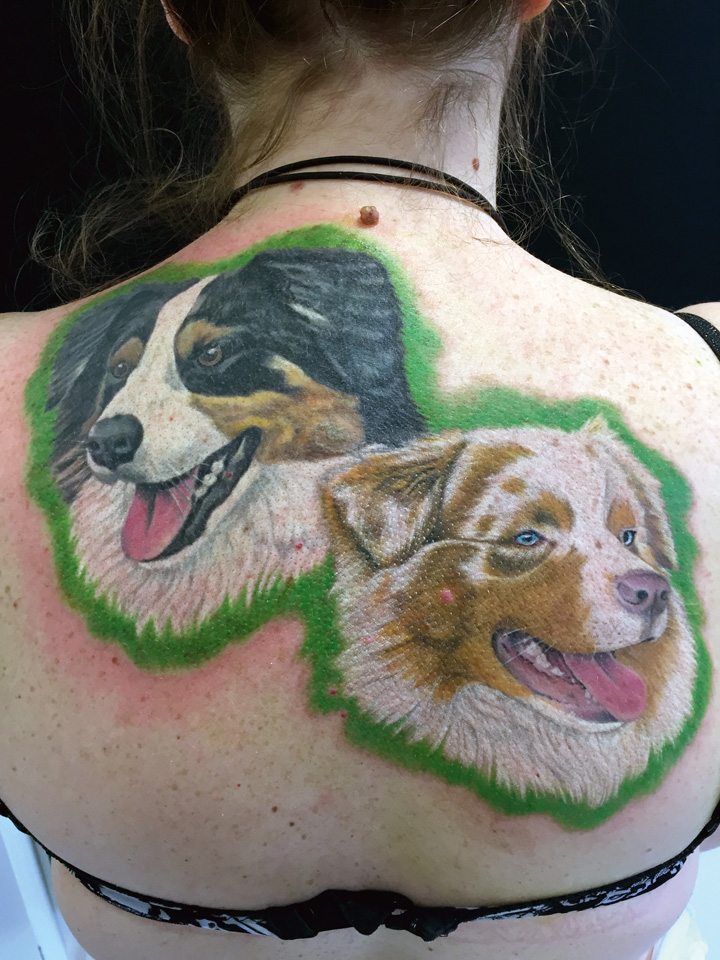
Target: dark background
637, 142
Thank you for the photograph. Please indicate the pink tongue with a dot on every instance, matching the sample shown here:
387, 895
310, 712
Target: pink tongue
620, 690
154, 520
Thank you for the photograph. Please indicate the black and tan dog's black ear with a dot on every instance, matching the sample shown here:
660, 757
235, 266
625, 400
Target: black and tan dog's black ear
389, 503
76, 393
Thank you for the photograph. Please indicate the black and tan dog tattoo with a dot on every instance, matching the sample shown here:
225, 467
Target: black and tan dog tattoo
193, 453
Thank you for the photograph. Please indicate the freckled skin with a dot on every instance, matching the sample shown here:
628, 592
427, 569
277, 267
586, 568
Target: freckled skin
525, 850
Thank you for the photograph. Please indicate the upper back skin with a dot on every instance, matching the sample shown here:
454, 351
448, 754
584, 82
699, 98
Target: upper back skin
548, 458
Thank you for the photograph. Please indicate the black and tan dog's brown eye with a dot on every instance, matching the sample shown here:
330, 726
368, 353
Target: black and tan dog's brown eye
120, 369
124, 360
628, 537
210, 355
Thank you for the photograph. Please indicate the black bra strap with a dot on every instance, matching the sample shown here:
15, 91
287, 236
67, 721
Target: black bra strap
709, 333
366, 910
288, 173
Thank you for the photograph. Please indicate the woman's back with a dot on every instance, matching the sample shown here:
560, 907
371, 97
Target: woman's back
361, 557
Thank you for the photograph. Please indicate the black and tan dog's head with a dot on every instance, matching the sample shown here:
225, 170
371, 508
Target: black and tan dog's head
184, 391
532, 562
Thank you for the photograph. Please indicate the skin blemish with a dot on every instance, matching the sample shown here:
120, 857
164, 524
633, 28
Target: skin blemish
274, 809
369, 216
475, 163
446, 595
299, 546
368, 639
296, 187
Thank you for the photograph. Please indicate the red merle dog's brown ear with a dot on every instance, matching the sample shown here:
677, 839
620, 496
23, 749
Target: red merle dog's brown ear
646, 488
657, 528
389, 504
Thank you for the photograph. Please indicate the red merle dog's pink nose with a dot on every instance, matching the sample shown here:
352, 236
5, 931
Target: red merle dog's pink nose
642, 591
115, 440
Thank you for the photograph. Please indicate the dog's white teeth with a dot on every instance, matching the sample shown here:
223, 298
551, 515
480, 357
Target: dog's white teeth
537, 654
209, 479
217, 467
542, 661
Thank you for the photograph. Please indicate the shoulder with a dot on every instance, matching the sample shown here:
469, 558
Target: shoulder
16, 327
22, 339
23, 334
12, 325
708, 311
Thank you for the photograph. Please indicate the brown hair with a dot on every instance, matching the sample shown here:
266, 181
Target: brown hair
261, 56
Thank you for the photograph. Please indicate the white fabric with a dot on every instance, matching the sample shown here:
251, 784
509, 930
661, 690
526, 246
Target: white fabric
683, 941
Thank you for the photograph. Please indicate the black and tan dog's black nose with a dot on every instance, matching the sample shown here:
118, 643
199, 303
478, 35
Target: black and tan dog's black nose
115, 440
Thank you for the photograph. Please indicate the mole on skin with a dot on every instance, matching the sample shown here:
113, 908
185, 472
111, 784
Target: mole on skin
369, 216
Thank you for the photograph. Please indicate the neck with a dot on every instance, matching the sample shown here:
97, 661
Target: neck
390, 115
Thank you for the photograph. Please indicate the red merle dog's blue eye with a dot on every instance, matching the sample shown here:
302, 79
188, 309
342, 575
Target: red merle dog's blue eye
628, 537
528, 538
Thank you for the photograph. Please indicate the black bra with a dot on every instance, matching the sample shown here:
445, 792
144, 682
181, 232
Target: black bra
366, 910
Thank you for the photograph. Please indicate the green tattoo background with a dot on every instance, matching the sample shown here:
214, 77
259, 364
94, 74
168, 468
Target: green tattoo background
162, 649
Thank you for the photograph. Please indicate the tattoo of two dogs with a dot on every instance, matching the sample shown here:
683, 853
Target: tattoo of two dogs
503, 593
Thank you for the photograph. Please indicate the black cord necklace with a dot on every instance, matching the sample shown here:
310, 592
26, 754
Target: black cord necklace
288, 174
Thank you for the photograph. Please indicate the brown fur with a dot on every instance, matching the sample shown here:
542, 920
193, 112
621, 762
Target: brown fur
312, 423
197, 332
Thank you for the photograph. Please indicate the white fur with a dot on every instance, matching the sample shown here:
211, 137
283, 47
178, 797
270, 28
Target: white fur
249, 541
526, 744
176, 436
